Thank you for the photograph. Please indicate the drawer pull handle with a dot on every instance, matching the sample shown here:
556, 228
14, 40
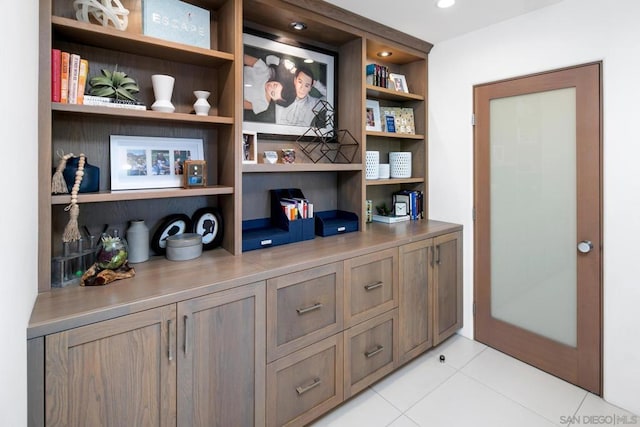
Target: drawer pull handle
315, 306
303, 389
171, 338
372, 353
373, 286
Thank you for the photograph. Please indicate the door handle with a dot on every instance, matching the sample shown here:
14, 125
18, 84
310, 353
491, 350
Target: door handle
585, 246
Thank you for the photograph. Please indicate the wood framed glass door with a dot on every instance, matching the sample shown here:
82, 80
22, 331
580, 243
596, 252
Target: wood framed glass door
538, 236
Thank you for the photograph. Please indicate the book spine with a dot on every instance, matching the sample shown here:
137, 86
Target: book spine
74, 71
82, 79
55, 75
64, 77
414, 205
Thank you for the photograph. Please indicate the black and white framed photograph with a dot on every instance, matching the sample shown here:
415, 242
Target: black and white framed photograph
372, 115
283, 84
141, 162
249, 147
398, 82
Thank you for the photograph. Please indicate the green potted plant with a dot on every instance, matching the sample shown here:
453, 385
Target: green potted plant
114, 84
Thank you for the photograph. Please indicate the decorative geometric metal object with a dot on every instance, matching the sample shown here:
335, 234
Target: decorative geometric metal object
337, 146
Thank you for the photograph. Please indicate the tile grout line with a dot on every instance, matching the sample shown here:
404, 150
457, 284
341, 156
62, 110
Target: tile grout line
508, 398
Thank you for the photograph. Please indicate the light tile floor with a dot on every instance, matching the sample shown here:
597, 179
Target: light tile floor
476, 386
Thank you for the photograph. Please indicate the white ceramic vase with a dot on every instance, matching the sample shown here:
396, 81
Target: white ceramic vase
162, 90
201, 106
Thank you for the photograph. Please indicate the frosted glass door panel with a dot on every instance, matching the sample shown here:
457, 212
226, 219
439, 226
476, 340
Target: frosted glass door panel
533, 213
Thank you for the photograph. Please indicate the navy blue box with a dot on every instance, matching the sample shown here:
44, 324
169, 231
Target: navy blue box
261, 233
278, 229
301, 228
330, 223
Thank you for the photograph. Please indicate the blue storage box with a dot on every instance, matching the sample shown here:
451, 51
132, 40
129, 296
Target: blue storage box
330, 223
277, 230
301, 228
261, 233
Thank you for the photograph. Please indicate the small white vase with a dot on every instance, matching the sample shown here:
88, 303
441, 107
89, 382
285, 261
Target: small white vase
201, 106
162, 90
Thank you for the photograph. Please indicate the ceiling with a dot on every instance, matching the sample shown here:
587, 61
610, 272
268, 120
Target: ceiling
422, 19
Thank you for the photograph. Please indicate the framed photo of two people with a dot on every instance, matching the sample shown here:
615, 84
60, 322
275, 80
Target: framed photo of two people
283, 84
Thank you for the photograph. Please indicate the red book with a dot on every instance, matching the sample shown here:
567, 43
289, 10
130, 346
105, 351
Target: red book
64, 77
55, 75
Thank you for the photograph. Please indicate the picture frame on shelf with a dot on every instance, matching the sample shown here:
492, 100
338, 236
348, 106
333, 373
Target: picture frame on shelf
141, 162
249, 147
372, 116
398, 82
293, 114
194, 174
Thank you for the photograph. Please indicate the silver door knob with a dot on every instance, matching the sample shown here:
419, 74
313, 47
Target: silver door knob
585, 246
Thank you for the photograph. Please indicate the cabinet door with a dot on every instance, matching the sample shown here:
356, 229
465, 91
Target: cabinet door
447, 276
371, 285
113, 373
221, 358
304, 307
416, 304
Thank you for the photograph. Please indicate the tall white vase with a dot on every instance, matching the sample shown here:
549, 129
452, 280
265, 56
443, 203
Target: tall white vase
201, 106
162, 90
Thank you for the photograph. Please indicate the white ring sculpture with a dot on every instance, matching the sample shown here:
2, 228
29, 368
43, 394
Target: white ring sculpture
104, 11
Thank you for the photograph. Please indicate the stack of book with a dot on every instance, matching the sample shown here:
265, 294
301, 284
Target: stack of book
413, 200
68, 77
378, 75
69, 80
296, 208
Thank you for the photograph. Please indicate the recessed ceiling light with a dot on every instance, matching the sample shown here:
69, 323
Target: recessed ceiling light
298, 26
384, 54
308, 61
445, 3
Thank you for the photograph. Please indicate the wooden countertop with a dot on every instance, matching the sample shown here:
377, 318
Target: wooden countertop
160, 282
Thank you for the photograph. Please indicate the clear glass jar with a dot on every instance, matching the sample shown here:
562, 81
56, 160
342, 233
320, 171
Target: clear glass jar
112, 251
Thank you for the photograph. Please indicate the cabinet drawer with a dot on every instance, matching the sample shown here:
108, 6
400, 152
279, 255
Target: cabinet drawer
371, 285
371, 350
305, 384
303, 308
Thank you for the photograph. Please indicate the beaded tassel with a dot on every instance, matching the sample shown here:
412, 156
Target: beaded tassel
71, 232
58, 185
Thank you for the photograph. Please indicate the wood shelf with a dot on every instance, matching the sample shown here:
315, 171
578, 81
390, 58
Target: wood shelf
392, 181
391, 95
108, 38
140, 114
146, 194
395, 135
301, 167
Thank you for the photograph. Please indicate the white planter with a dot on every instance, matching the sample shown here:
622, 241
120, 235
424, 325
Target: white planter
372, 163
162, 90
400, 164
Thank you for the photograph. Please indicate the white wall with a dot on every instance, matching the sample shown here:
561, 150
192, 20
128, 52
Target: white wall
18, 192
571, 32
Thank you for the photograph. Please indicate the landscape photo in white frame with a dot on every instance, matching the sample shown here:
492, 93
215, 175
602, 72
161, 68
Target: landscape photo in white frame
140, 162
